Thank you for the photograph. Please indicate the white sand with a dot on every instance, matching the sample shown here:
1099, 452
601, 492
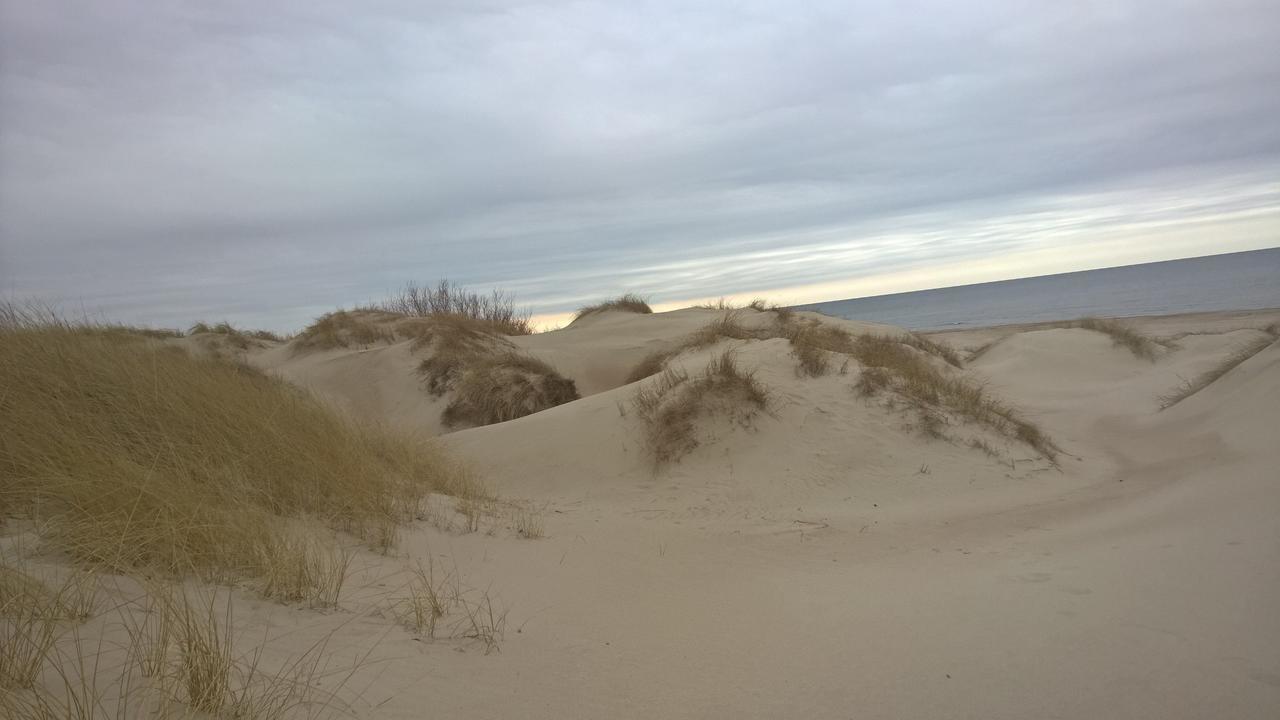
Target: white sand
829, 563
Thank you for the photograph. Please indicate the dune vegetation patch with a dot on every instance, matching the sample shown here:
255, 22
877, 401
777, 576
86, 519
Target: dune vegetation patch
1142, 346
347, 328
629, 302
671, 405
1207, 378
890, 365
138, 456
489, 381
504, 386
728, 326
915, 370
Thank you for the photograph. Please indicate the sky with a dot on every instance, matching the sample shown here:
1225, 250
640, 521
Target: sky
265, 162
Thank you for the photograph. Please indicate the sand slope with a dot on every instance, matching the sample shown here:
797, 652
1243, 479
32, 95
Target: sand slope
830, 561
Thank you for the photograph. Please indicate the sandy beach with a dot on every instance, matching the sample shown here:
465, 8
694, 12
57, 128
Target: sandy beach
827, 558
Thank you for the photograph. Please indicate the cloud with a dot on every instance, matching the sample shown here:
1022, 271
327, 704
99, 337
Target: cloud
265, 161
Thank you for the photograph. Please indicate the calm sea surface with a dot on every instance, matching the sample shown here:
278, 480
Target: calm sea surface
1238, 281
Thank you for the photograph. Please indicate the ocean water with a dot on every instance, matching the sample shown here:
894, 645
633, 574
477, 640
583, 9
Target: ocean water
1237, 281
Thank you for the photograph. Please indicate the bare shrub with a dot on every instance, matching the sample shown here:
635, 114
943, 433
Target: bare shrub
630, 302
496, 311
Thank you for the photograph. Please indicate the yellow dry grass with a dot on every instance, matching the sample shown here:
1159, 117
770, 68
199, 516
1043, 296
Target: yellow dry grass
670, 405
630, 302
129, 455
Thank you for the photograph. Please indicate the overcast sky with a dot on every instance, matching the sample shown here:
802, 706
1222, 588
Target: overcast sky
164, 162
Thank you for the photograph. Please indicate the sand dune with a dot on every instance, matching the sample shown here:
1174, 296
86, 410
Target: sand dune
829, 558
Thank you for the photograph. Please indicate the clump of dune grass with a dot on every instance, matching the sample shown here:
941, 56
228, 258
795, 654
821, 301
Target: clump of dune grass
236, 337
496, 312
728, 326
504, 386
347, 328
629, 302
670, 406
489, 379
436, 604
1207, 378
453, 343
1142, 347
890, 364
133, 455
924, 344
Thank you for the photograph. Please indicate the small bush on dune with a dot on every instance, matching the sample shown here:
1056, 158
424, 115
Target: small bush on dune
670, 406
453, 343
505, 386
630, 302
1207, 378
347, 328
496, 312
134, 455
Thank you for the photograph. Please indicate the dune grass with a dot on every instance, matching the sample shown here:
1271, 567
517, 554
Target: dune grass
453, 343
890, 364
504, 386
347, 328
1207, 378
629, 302
670, 406
728, 326
489, 380
496, 311
131, 455
241, 339
1142, 347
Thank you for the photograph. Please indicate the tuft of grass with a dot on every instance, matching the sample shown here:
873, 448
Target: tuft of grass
890, 364
527, 521
1142, 347
240, 339
726, 327
347, 328
924, 344
505, 386
496, 312
298, 568
489, 379
670, 406
435, 603
1207, 378
453, 343
138, 456
629, 302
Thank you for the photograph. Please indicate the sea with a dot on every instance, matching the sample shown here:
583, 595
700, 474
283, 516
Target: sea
1235, 281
